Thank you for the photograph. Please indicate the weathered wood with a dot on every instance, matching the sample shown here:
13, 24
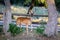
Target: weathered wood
33, 15
29, 15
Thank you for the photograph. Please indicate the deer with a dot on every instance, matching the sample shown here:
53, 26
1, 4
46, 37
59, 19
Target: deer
26, 20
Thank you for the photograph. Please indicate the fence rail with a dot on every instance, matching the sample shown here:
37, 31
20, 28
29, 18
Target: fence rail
30, 15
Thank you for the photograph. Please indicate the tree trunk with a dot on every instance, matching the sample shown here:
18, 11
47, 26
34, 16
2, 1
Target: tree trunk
31, 6
6, 16
51, 28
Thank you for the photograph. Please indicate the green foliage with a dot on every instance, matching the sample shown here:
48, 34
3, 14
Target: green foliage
43, 22
17, 2
57, 2
40, 29
0, 29
27, 2
14, 30
36, 2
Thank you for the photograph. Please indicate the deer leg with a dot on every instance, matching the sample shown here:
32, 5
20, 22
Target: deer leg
20, 26
27, 29
31, 27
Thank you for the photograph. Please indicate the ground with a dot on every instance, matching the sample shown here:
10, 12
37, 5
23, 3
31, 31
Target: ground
30, 36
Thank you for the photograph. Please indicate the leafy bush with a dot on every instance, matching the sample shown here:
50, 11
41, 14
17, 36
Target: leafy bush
40, 29
1, 30
14, 30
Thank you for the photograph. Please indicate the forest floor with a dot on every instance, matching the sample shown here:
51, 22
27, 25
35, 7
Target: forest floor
30, 36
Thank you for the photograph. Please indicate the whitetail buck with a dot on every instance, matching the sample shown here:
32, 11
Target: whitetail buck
24, 20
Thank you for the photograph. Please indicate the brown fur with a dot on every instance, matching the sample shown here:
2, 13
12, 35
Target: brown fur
24, 20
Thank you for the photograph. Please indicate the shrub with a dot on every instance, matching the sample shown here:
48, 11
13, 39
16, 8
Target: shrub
40, 29
14, 30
